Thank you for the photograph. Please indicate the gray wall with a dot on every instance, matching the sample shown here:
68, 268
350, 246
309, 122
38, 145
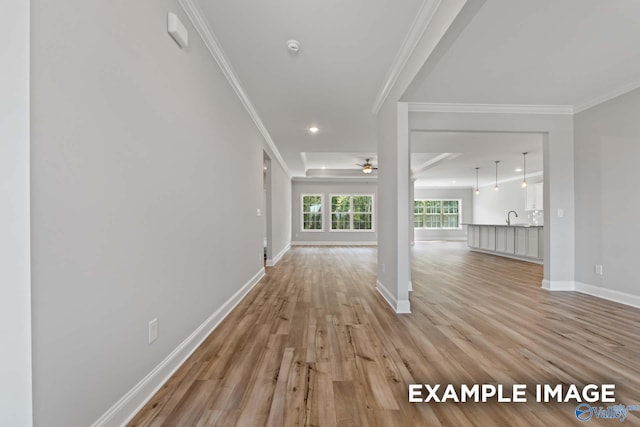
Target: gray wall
607, 150
280, 208
146, 178
327, 189
464, 194
15, 297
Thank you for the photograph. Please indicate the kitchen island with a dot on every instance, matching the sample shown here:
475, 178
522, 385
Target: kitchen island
519, 241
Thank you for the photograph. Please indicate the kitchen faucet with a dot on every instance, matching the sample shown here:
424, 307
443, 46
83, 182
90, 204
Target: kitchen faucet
509, 216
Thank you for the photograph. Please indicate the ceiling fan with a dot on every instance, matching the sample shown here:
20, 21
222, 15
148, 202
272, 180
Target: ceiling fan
367, 167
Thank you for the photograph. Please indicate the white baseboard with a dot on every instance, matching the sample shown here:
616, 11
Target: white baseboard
595, 291
442, 239
558, 285
404, 307
131, 403
502, 254
338, 243
274, 261
400, 307
609, 294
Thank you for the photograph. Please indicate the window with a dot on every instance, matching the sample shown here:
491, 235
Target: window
352, 213
311, 212
436, 213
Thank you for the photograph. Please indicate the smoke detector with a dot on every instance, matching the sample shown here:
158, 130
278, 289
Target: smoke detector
293, 46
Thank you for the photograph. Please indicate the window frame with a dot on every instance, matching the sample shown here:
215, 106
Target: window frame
302, 212
351, 212
442, 215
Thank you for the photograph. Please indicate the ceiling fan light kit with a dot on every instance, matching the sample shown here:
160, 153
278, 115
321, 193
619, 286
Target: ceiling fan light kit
367, 167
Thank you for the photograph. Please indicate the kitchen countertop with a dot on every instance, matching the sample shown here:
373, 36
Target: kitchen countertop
505, 225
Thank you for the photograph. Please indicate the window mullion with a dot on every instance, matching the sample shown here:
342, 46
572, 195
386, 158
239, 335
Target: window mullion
350, 213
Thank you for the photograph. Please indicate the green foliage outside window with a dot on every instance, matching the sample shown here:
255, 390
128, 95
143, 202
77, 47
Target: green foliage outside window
312, 212
352, 213
436, 213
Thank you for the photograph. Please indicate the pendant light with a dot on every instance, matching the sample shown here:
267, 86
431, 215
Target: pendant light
477, 189
496, 187
524, 169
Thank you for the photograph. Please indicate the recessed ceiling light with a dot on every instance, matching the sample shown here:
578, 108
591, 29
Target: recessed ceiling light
313, 129
324, 167
518, 169
454, 181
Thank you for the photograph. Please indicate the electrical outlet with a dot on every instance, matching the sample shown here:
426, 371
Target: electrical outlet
258, 211
599, 269
153, 330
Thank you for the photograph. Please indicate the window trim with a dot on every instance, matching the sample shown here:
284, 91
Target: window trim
351, 213
302, 212
459, 227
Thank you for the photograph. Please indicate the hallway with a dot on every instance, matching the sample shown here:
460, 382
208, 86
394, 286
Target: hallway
315, 344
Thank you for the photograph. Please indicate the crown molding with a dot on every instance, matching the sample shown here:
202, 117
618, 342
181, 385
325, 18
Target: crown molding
430, 107
454, 187
195, 15
417, 29
335, 179
607, 96
422, 186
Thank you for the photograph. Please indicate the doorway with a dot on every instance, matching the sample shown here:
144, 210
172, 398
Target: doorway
266, 208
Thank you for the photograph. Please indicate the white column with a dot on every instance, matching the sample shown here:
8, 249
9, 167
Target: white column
15, 281
393, 206
404, 198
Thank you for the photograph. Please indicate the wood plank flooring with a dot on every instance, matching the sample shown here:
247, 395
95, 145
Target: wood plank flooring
314, 344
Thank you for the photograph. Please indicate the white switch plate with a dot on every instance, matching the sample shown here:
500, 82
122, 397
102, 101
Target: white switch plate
560, 212
258, 212
599, 269
153, 330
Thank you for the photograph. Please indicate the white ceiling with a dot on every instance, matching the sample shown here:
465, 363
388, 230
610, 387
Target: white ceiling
468, 150
336, 160
537, 52
347, 49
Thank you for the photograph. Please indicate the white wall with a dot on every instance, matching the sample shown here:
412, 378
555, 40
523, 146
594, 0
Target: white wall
327, 189
464, 194
607, 150
15, 292
491, 207
146, 178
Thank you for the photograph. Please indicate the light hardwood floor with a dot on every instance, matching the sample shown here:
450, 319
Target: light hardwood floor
315, 344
